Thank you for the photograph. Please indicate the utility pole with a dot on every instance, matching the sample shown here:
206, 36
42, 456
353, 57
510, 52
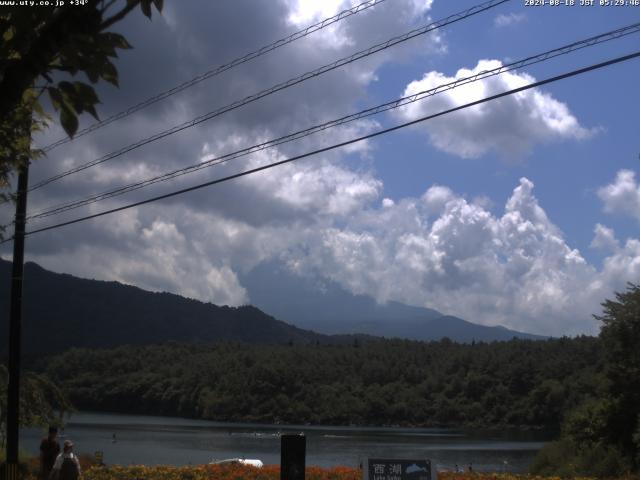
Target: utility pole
15, 319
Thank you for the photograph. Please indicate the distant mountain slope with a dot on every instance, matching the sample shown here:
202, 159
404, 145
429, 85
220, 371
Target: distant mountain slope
426, 329
327, 308
61, 310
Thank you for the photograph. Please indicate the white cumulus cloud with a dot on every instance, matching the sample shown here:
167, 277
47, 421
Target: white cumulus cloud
322, 216
509, 19
510, 126
444, 252
623, 195
438, 250
604, 238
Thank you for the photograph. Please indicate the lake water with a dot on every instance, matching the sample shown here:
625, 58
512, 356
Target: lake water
177, 441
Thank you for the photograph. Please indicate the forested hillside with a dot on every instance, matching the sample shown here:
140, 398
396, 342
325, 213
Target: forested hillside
519, 383
63, 311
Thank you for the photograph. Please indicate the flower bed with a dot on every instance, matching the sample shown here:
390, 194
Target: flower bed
217, 472
269, 472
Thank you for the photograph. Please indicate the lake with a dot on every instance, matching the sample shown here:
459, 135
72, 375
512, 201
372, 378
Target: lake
177, 441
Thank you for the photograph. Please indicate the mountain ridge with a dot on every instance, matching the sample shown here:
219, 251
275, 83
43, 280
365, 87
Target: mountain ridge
328, 308
125, 314
75, 312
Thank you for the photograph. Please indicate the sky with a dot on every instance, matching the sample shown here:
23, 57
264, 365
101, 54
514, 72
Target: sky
522, 212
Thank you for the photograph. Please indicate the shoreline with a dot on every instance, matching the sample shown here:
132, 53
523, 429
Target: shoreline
462, 429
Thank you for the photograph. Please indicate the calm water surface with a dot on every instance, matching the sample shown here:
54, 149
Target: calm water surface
177, 441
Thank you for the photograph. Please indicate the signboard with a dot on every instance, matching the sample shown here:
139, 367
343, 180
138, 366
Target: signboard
399, 469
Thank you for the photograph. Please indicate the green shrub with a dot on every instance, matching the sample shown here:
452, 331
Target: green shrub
555, 458
564, 458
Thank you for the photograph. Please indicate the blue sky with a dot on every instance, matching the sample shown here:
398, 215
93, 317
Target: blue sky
567, 174
522, 212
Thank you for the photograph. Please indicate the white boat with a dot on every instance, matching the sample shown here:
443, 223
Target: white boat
252, 462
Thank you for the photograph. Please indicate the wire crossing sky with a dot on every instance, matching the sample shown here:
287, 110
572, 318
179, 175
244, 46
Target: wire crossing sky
218, 70
422, 95
462, 15
342, 144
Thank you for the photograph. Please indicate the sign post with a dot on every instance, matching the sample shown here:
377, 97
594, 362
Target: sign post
15, 325
399, 469
292, 457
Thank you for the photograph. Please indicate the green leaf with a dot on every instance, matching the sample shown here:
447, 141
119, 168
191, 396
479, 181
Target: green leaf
93, 73
106, 48
92, 110
69, 60
56, 97
37, 108
86, 93
8, 34
70, 98
109, 73
69, 121
117, 40
67, 88
145, 5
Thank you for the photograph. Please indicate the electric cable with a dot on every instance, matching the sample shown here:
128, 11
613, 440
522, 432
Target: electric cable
217, 160
218, 70
341, 144
281, 86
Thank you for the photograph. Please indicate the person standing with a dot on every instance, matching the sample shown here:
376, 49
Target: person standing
67, 465
49, 450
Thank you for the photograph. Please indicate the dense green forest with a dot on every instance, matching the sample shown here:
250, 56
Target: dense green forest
601, 436
390, 382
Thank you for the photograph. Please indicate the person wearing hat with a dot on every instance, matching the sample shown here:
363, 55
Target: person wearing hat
67, 465
49, 450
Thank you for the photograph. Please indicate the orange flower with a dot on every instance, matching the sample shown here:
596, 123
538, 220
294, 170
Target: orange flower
268, 472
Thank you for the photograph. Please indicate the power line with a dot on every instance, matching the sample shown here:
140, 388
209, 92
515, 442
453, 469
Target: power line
218, 70
341, 144
531, 60
281, 86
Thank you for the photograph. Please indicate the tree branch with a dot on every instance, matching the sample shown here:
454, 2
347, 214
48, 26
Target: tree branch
119, 16
107, 6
